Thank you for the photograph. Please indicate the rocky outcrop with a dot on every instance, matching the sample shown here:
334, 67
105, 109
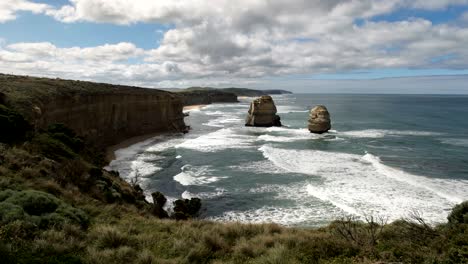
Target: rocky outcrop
262, 113
319, 120
103, 114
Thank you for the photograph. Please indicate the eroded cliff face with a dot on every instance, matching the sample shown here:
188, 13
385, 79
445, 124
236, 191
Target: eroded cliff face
104, 114
110, 118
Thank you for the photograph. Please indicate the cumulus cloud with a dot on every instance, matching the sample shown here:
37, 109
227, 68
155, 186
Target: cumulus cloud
9, 8
214, 42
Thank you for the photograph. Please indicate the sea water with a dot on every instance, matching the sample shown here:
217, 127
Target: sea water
386, 155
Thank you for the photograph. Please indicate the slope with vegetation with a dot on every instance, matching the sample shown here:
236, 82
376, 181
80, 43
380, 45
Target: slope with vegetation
58, 206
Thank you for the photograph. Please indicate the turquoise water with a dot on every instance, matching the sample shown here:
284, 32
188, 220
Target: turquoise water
386, 155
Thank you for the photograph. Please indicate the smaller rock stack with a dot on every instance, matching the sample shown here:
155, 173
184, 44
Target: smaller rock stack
262, 113
319, 120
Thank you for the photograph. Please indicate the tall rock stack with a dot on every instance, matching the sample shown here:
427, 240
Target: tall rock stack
319, 120
262, 113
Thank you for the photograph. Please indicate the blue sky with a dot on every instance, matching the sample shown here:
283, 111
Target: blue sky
293, 44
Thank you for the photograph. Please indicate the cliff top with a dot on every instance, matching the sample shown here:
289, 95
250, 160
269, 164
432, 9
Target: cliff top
24, 91
17, 87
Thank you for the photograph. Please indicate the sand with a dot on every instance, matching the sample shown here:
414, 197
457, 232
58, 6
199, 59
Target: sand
110, 151
193, 107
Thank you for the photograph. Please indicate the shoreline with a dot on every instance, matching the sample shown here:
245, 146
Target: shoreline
189, 108
110, 151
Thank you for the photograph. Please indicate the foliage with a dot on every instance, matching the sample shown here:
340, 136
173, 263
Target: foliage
459, 214
38, 208
14, 127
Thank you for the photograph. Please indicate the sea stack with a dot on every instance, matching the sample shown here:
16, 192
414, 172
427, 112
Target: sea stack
262, 113
319, 120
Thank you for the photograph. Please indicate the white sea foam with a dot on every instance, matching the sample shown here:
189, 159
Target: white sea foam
271, 138
164, 145
223, 121
285, 109
204, 195
301, 208
460, 142
143, 168
290, 216
380, 133
225, 138
363, 185
191, 175
262, 166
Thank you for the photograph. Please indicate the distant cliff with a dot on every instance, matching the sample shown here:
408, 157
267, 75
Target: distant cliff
202, 96
208, 95
102, 113
238, 91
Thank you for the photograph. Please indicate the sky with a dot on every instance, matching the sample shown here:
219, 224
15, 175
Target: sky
316, 46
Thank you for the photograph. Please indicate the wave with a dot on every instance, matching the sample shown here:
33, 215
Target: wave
380, 133
263, 166
363, 185
285, 109
459, 142
222, 139
204, 195
222, 121
191, 175
294, 208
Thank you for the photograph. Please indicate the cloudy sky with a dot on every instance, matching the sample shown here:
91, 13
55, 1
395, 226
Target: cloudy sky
381, 46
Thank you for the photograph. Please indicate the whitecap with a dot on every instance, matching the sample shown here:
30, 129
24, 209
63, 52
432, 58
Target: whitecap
225, 138
460, 142
262, 166
363, 185
380, 133
204, 195
192, 175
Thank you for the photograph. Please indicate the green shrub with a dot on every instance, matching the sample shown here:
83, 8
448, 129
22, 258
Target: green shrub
459, 214
51, 147
66, 135
39, 208
14, 127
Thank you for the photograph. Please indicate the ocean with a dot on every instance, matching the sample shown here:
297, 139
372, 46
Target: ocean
386, 156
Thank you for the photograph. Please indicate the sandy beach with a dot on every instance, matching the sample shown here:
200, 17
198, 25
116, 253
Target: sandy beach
246, 97
193, 107
110, 151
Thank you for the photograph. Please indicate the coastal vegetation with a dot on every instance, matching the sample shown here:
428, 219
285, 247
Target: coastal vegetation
58, 206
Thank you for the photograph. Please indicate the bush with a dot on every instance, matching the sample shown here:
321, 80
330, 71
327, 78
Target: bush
66, 136
39, 208
14, 126
459, 214
51, 147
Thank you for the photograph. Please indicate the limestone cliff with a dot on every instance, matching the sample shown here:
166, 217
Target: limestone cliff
102, 113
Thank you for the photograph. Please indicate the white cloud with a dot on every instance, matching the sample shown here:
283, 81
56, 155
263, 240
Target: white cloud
215, 42
9, 8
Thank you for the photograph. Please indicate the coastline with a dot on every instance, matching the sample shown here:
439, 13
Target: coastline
193, 107
110, 151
